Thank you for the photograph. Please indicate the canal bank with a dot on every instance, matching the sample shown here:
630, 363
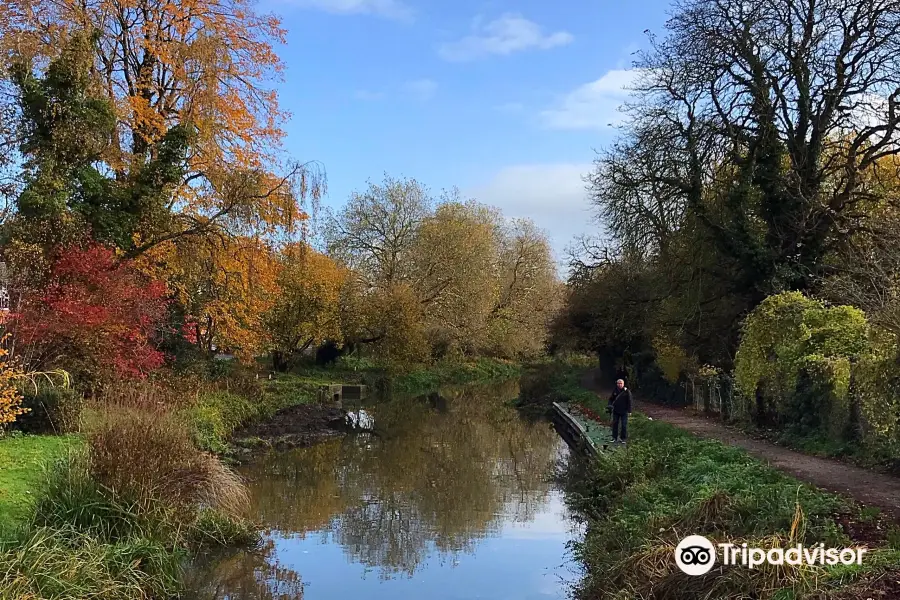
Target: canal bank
641, 500
122, 549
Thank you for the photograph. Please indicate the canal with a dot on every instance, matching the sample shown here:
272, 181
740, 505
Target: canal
445, 496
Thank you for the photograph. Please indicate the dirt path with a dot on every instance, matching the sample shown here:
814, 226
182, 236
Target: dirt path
865, 486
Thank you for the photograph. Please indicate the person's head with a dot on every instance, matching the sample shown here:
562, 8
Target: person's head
620, 384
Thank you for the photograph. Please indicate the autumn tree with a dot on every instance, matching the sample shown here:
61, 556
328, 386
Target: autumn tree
96, 317
528, 293
168, 68
374, 233
64, 132
467, 280
373, 236
307, 308
454, 267
226, 286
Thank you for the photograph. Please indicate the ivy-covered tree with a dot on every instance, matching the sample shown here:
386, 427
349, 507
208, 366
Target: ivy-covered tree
69, 181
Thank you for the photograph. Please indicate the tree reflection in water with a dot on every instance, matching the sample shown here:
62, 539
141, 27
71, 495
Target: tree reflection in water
243, 576
434, 476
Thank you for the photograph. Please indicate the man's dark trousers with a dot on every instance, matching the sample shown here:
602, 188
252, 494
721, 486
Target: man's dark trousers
620, 421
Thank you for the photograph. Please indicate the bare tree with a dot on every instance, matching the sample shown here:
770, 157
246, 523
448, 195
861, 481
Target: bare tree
759, 118
375, 231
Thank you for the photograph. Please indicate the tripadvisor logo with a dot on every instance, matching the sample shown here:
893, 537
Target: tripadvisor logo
696, 555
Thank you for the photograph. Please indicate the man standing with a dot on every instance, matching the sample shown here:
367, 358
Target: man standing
620, 407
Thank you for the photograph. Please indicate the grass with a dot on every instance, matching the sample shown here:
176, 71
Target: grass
52, 564
22, 458
217, 414
641, 500
123, 534
424, 379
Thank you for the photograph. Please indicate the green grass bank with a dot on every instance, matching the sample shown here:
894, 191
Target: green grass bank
217, 414
97, 515
639, 501
22, 461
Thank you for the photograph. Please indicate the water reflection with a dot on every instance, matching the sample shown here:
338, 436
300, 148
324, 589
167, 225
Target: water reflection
244, 576
359, 420
427, 483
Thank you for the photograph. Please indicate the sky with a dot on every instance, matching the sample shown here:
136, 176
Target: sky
506, 100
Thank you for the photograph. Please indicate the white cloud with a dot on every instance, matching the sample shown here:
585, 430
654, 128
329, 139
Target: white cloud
594, 105
551, 195
509, 33
420, 89
392, 9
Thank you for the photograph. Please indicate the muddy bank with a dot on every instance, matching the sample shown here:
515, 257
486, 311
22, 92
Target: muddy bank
292, 427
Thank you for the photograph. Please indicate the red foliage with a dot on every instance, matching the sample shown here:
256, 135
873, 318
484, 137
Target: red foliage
94, 313
189, 331
592, 415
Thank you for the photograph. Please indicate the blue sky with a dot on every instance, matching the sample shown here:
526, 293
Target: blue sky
506, 100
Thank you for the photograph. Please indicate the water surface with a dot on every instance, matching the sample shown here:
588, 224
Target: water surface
447, 496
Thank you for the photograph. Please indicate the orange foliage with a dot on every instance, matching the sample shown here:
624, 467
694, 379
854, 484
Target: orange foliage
210, 63
165, 62
227, 285
308, 307
10, 396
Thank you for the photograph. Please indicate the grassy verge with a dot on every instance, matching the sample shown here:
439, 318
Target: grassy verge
216, 415
118, 511
22, 458
640, 501
425, 379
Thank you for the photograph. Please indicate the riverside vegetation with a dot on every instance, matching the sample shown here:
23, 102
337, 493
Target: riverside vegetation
749, 266
748, 271
104, 501
640, 501
164, 290
155, 224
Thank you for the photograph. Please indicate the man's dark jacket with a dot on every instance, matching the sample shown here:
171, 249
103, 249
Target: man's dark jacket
620, 401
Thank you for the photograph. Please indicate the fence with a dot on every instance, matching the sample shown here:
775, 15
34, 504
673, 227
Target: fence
713, 394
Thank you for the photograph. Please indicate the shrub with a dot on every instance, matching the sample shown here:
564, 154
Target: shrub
51, 408
10, 396
148, 455
787, 333
877, 387
216, 415
820, 401
97, 314
671, 359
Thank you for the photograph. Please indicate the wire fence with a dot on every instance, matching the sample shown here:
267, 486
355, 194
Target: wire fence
714, 394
